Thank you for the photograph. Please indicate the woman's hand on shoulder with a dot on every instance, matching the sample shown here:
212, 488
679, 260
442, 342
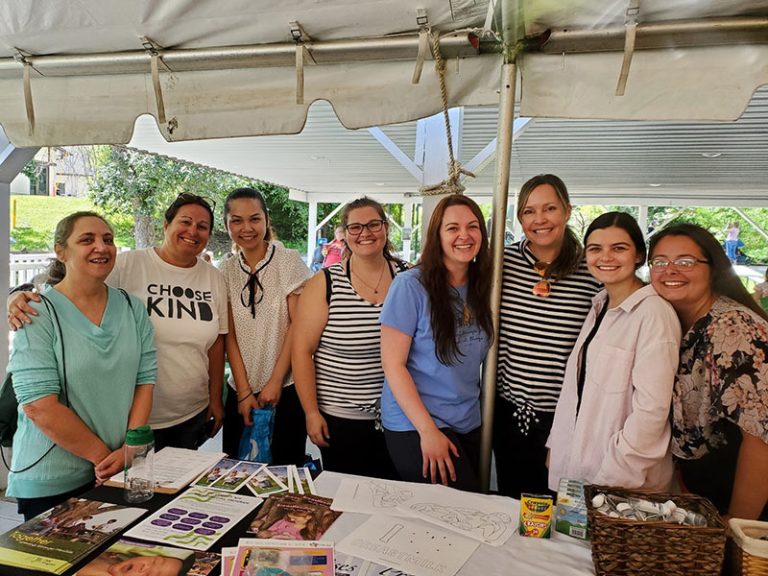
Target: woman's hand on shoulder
19, 310
317, 430
436, 450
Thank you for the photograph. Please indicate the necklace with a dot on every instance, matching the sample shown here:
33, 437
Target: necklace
543, 287
466, 314
374, 289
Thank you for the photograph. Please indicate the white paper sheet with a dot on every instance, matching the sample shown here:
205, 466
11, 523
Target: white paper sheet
372, 496
174, 468
409, 545
196, 519
489, 519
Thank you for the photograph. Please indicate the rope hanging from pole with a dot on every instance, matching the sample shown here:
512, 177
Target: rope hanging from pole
452, 184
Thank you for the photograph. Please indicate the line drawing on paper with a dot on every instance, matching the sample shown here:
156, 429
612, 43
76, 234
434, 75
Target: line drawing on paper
490, 525
385, 495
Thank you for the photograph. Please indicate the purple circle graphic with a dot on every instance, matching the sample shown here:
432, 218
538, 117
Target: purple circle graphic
198, 515
178, 511
171, 517
213, 525
221, 519
160, 522
204, 531
182, 527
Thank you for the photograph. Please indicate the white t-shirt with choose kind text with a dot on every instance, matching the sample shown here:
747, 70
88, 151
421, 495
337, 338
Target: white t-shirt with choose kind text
188, 309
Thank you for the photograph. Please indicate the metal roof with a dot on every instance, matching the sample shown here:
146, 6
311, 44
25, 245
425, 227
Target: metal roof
611, 162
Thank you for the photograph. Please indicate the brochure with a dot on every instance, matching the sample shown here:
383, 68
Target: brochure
57, 539
196, 519
277, 557
175, 468
128, 557
293, 517
264, 483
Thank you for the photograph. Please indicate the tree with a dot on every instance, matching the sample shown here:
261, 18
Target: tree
142, 184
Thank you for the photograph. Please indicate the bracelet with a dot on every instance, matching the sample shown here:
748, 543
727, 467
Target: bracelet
244, 398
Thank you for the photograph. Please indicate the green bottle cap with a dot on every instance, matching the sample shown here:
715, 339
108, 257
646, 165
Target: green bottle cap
139, 436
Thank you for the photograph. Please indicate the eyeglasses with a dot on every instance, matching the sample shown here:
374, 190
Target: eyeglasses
683, 263
189, 198
357, 229
542, 288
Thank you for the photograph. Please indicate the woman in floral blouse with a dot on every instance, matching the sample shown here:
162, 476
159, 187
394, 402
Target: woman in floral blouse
720, 399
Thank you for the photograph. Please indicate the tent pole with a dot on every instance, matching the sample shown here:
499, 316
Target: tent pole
498, 222
311, 231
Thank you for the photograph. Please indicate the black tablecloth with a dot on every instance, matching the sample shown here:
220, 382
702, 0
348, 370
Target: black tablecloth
115, 496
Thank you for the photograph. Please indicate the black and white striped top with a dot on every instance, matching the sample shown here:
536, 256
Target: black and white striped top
536, 335
348, 372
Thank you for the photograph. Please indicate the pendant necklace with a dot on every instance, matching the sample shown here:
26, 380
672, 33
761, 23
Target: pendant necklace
374, 289
543, 287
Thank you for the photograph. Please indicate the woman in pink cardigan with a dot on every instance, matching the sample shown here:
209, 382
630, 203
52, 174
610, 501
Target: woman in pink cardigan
611, 424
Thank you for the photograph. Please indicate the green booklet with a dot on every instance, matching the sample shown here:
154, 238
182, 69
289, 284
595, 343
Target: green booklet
58, 539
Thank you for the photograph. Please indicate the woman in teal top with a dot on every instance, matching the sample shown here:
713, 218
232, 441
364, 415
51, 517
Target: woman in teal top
66, 439
435, 331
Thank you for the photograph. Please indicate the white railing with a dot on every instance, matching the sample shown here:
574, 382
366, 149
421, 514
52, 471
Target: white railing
24, 267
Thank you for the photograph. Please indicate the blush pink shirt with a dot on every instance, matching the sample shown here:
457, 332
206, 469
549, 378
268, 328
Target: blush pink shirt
622, 433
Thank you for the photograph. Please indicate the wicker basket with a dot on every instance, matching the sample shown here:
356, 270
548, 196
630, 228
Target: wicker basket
748, 553
631, 547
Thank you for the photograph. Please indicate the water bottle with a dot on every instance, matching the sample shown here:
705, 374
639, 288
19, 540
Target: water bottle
139, 472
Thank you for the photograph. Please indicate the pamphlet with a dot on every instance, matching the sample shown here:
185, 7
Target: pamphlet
294, 517
283, 558
196, 519
128, 557
57, 539
175, 468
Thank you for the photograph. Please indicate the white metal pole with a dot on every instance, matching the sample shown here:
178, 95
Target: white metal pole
407, 229
311, 231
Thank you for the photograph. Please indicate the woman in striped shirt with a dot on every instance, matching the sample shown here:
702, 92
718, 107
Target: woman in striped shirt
546, 294
336, 346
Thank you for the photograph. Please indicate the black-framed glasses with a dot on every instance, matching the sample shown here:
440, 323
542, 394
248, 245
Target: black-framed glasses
189, 198
356, 229
683, 263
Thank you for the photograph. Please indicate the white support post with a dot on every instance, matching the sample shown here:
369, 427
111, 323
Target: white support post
642, 219
407, 230
435, 154
12, 160
311, 231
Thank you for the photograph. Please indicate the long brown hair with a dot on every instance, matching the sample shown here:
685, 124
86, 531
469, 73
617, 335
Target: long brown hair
571, 253
443, 299
723, 280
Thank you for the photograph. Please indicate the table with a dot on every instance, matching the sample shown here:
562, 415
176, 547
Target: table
559, 556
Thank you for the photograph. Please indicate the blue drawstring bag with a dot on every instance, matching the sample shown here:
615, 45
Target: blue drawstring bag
256, 442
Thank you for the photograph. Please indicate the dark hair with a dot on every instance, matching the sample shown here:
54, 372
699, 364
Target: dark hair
571, 253
627, 223
56, 269
249, 194
723, 280
443, 299
184, 199
366, 202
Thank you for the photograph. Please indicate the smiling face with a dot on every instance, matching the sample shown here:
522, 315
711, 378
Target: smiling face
611, 256
247, 223
89, 250
543, 218
146, 566
685, 289
187, 234
460, 236
366, 243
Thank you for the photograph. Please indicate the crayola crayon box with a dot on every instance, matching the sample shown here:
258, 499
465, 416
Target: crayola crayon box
535, 515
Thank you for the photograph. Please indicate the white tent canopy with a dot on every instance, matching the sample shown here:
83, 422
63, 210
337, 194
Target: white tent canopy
229, 68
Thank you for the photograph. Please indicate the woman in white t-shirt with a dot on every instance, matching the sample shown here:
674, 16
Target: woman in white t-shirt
186, 303
263, 281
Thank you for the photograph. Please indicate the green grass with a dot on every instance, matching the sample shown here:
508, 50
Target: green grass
37, 216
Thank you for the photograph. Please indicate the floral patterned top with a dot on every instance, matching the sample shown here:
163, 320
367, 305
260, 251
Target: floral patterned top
722, 377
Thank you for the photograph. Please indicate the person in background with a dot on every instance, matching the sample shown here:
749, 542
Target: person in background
732, 241
264, 280
186, 301
761, 292
101, 342
611, 425
336, 346
435, 331
333, 251
546, 295
318, 257
720, 397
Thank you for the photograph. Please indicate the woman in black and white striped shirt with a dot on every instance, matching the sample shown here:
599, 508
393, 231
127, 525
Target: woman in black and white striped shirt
336, 346
546, 294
